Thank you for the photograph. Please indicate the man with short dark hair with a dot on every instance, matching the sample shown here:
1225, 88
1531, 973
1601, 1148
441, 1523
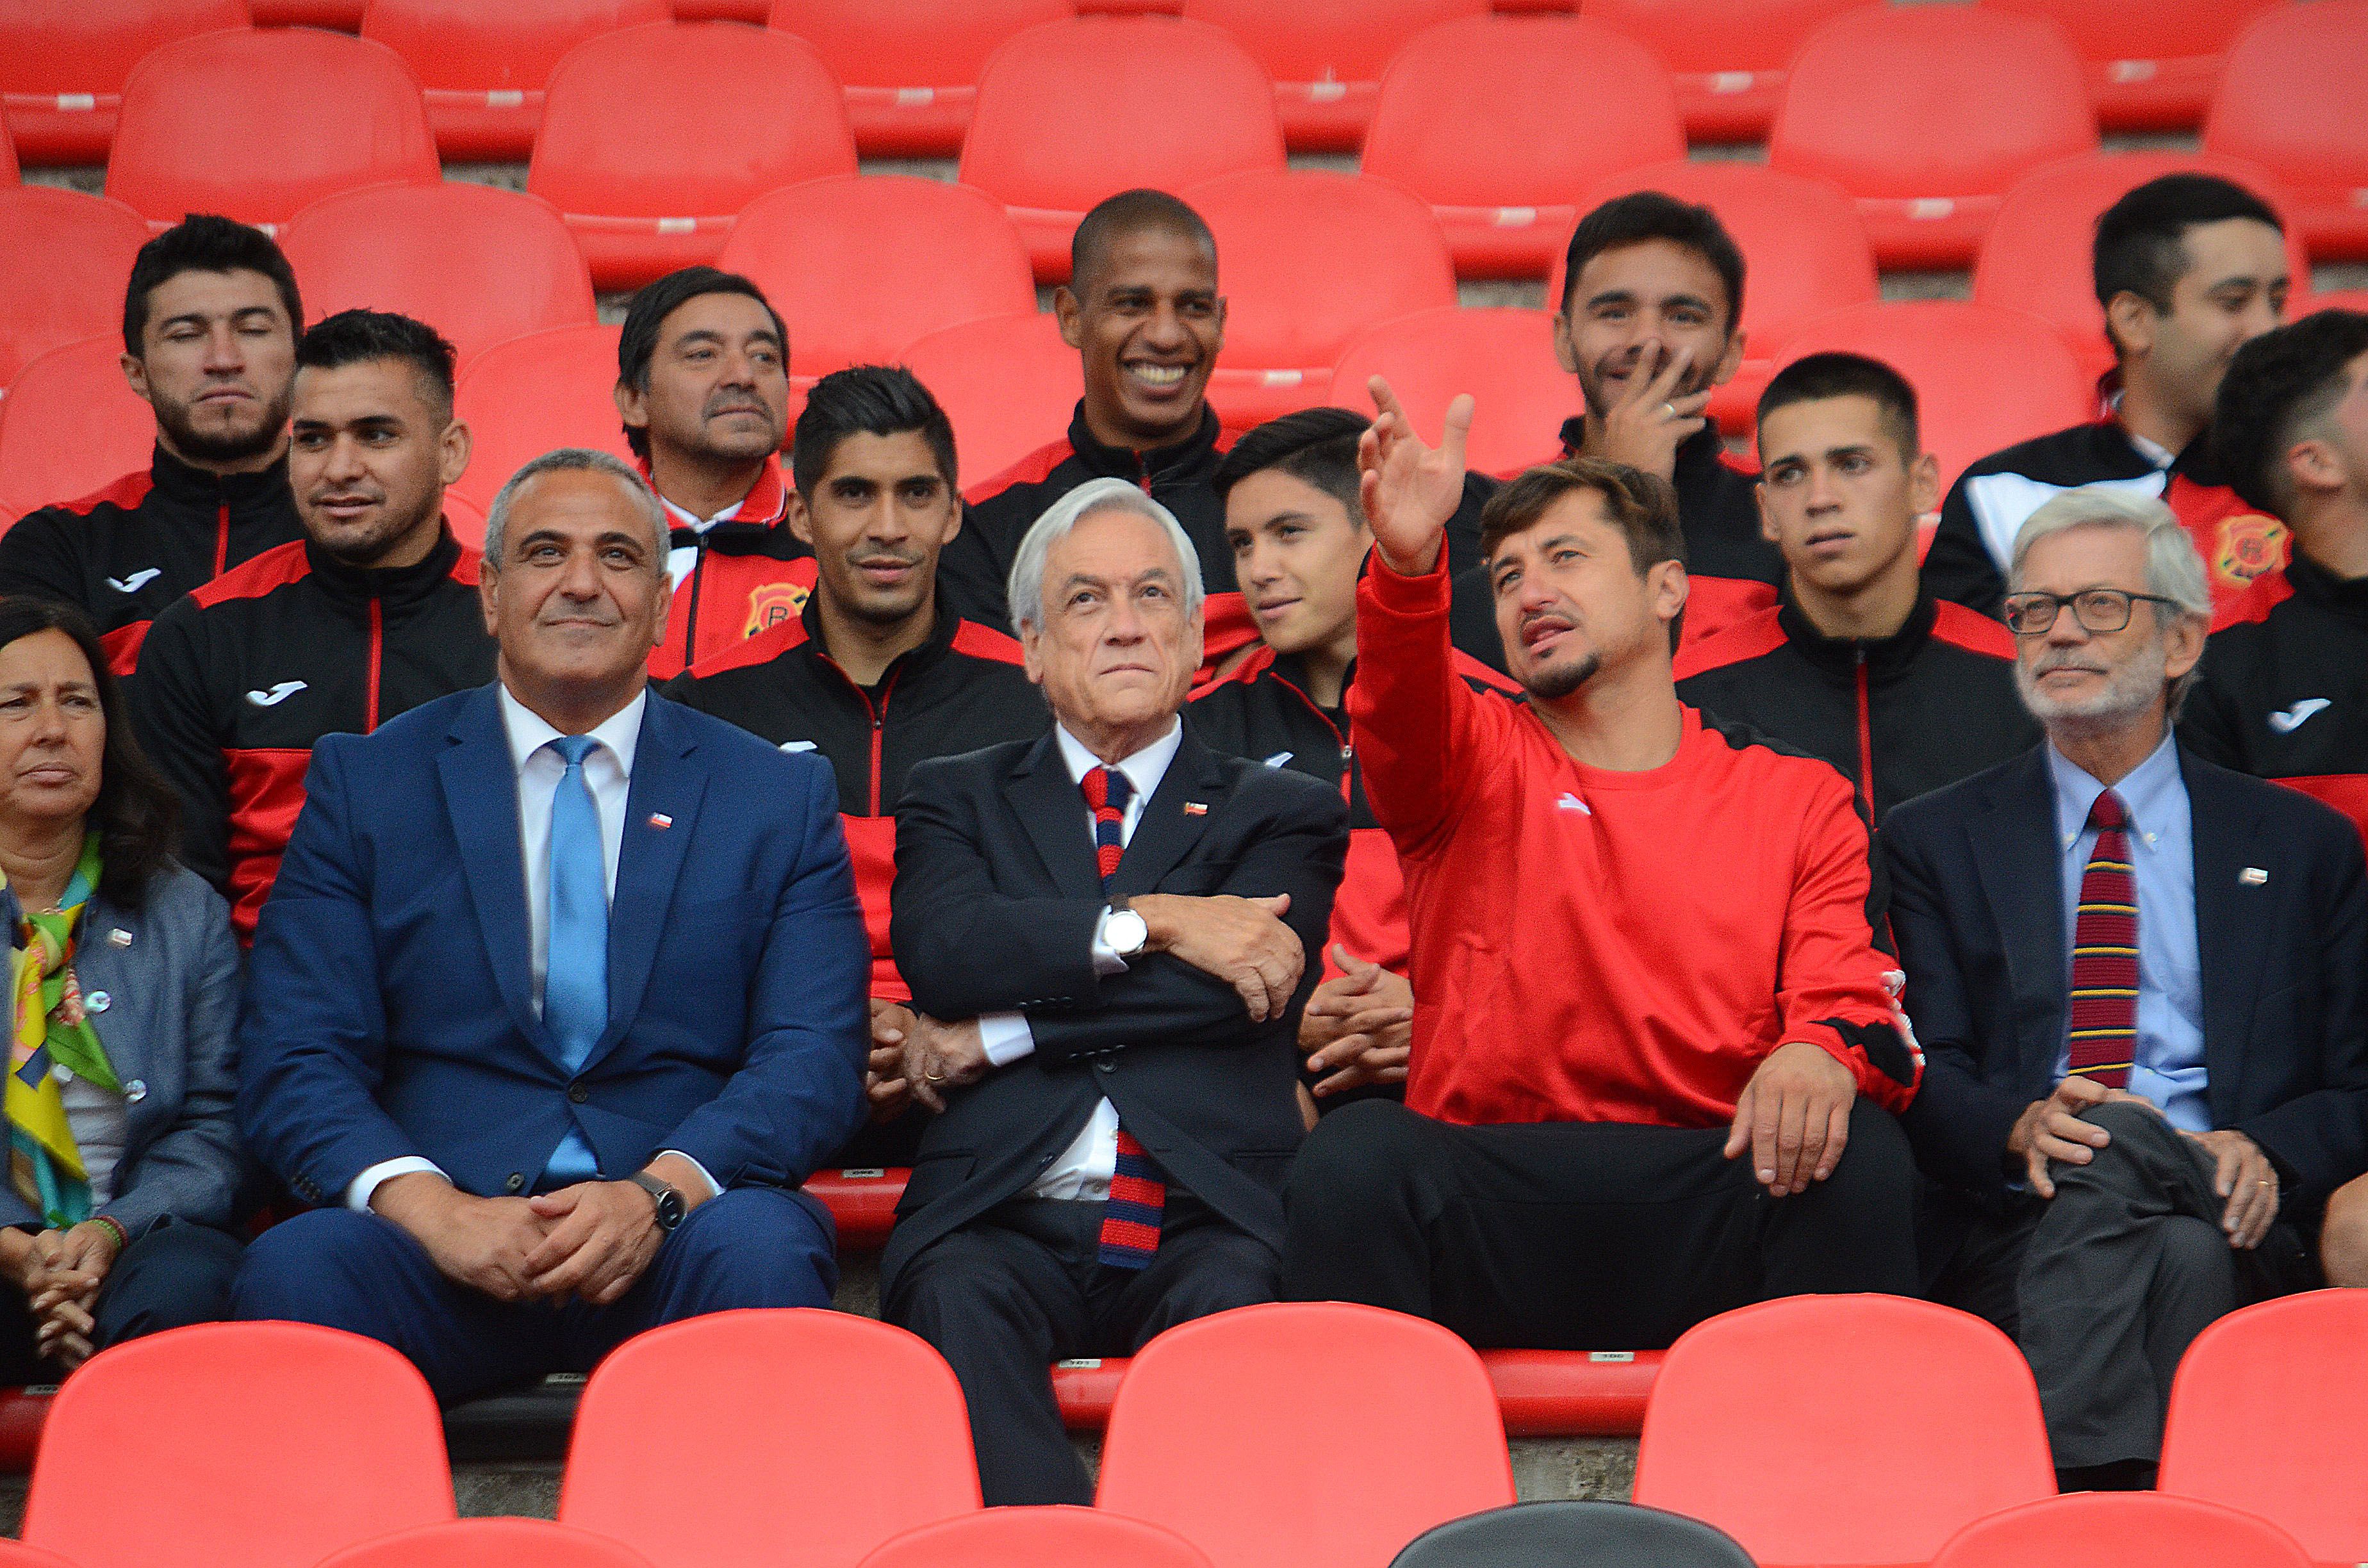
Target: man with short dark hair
2188, 267
209, 323
876, 674
1860, 665
372, 613
1642, 944
703, 388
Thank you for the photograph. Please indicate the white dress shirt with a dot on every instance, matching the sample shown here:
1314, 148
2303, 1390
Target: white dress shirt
681, 558
1083, 1168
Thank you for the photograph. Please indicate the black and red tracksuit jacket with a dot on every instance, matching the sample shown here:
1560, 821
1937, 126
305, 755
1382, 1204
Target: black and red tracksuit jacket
1898, 716
961, 689
2283, 691
747, 576
127, 552
238, 680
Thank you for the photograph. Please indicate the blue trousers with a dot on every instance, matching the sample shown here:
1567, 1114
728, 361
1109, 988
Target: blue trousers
347, 1269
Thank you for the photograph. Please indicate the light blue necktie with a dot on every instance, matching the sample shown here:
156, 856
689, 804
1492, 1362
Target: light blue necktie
575, 975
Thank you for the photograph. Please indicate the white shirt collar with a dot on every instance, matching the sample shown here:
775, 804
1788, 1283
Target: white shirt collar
528, 732
1144, 769
689, 519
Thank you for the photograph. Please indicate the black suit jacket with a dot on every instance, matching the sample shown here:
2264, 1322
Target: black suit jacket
1976, 904
994, 908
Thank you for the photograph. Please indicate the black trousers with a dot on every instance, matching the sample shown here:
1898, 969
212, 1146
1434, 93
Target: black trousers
1582, 1235
174, 1275
1008, 1295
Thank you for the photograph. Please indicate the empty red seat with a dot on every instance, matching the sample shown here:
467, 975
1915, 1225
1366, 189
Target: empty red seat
2121, 1529
861, 266
1727, 58
1326, 56
1306, 261
751, 11
1031, 1537
1986, 377
533, 394
71, 426
478, 264
1504, 357
909, 68
1805, 250
62, 73
1927, 115
2039, 256
9, 173
1500, 121
482, 67
1072, 112
2336, 299
1785, 1424
258, 124
345, 16
654, 137
62, 269
1009, 384
2288, 100
2268, 1413
2150, 70
488, 1543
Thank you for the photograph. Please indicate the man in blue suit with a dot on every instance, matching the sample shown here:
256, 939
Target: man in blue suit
560, 995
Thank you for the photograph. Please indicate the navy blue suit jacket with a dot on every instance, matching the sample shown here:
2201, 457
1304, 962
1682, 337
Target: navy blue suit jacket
390, 1007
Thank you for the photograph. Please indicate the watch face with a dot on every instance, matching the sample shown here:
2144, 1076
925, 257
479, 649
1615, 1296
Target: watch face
1127, 933
669, 1210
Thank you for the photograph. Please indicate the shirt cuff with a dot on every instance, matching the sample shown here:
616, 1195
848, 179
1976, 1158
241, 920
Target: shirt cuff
359, 1190
1106, 959
1006, 1037
714, 1187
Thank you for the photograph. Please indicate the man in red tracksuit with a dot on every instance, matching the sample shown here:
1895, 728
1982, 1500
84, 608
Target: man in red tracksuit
1655, 1056
372, 613
875, 675
209, 323
1300, 543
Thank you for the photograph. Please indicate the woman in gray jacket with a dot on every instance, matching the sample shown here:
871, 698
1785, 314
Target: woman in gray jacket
122, 989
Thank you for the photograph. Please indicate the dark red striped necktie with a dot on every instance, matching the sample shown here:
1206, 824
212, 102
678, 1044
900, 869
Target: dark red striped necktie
1138, 1194
1107, 791
2103, 1027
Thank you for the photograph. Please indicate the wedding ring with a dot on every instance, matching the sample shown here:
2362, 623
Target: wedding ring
1669, 411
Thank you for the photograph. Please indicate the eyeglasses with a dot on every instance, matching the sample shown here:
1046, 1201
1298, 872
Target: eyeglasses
2098, 610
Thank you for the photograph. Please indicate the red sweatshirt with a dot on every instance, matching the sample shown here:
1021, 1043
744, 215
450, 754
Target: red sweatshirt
1597, 945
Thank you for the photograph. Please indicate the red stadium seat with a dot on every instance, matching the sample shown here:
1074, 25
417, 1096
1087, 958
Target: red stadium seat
17, 1555
1926, 115
1726, 57
749, 11
818, 1434
1986, 377
2152, 70
861, 266
1804, 247
654, 137
2287, 101
533, 394
482, 67
71, 426
2121, 1529
1306, 261
1786, 1425
1500, 122
268, 1445
62, 73
1072, 112
1231, 1430
2269, 1412
1326, 56
909, 68
488, 1543
61, 270
2038, 257
255, 125
1034, 1538
344, 16
862, 1204
1504, 357
478, 264
1008, 384
9, 173
2337, 299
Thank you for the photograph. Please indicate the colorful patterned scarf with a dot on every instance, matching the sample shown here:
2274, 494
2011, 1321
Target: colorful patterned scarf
50, 1032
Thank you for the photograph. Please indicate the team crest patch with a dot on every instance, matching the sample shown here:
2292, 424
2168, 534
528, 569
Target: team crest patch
774, 603
2250, 544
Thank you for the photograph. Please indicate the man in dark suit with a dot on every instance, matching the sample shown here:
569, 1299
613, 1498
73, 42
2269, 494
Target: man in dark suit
2138, 979
1107, 932
560, 994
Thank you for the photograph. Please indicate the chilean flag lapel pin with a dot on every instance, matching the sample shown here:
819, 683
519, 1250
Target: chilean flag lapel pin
1195, 809
660, 820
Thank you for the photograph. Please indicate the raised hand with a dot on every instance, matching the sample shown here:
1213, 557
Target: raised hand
1410, 490
1648, 424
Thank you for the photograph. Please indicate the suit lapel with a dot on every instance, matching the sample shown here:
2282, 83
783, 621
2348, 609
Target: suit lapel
666, 788
2230, 922
2021, 875
1053, 813
480, 797
1166, 831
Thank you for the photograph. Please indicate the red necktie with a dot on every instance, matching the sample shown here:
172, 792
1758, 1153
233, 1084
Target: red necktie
1107, 792
1138, 1197
2104, 1018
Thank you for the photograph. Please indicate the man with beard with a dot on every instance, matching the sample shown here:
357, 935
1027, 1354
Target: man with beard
210, 324
2140, 978
372, 613
1655, 1064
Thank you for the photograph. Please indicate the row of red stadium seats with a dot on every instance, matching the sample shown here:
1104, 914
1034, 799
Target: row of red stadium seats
1925, 116
1783, 1425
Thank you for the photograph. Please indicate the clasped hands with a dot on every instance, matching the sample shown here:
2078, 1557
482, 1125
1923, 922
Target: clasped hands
59, 1273
592, 1239
2052, 1128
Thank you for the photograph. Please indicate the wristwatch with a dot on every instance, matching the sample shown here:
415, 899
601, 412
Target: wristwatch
671, 1208
1124, 930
